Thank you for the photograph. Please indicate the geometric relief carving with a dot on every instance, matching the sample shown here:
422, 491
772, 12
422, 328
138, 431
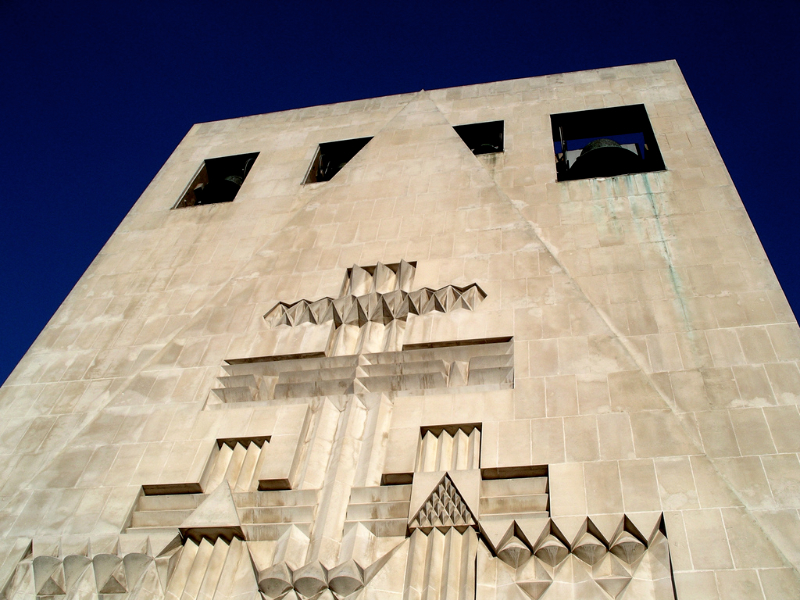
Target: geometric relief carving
233, 466
476, 365
109, 574
443, 509
511, 542
262, 515
448, 522
543, 563
455, 447
504, 499
288, 577
216, 517
391, 519
517, 545
218, 569
441, 564
233, 506
129, 568
451, 448
377, 294
371, 311
48, 575
235, 461
375, 307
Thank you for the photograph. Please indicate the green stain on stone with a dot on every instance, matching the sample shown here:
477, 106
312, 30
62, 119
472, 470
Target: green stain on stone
675, 280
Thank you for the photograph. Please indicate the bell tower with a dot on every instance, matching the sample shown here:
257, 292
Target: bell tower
511, 340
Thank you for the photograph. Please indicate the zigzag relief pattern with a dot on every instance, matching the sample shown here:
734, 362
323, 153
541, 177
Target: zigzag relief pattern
449, 449
281, 581
375, 307
381, 278
138, 569
379, 294
441, 564
288, 577
227, 569
622, 561
235, 461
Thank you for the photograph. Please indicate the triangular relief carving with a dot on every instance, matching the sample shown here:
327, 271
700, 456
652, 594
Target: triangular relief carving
443, 509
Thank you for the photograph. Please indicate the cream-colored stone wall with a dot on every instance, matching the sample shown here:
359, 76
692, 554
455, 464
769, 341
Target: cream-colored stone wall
642, 362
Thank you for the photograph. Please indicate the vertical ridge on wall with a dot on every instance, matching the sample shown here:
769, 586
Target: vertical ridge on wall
234, 461
449, 451
210, 570
439, 565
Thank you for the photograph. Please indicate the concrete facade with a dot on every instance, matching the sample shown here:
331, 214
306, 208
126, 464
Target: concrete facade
435, 375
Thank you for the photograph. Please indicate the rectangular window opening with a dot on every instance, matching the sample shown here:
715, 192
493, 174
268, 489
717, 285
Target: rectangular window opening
482, 138
331, 158
218, 180
604, 142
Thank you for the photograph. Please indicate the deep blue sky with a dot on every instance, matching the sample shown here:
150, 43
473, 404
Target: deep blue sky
95, 96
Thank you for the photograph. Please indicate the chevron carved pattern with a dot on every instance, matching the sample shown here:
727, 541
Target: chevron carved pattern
379, 294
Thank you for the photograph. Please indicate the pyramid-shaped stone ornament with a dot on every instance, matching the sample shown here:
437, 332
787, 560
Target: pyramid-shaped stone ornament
496, 531
444, 505
532, 530
644, 525
382, 298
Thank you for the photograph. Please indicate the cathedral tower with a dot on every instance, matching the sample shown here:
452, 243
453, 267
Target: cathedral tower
510, 340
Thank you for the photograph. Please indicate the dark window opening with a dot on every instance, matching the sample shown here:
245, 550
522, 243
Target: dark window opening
218, 180
332, 157
482, 138
604, 143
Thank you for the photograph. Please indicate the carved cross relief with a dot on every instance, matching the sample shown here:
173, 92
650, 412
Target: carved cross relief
305, 511
371, 311
471, 532
365, 351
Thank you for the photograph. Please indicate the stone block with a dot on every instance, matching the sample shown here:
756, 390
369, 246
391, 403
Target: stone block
708, 541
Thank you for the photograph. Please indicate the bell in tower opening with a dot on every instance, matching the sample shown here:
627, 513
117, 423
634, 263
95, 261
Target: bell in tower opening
604, 143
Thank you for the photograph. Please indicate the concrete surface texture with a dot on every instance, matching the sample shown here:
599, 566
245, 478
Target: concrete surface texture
437, 375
